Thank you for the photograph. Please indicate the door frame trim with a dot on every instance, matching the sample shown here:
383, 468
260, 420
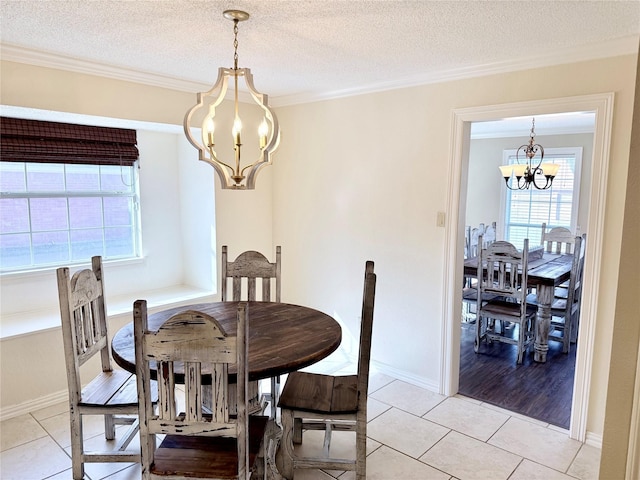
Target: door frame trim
602, 106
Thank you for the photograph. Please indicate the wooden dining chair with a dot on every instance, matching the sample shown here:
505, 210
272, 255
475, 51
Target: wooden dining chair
502, 271
489, 235
196, 444
470, 288
252, 269
565, 311
474, 235
557, 240
256, 270
312, 401
112, 393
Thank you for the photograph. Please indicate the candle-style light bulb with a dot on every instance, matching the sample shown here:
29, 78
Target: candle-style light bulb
210, 129
237, 128
263, 129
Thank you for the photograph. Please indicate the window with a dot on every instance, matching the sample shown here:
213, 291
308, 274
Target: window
76, 203
56, 214
526, 210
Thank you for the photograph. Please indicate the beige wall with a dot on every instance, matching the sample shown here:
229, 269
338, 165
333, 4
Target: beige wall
622, 421
363, 178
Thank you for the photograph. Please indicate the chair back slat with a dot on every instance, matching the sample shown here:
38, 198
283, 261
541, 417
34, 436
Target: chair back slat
193, 372
220, 393
244, 273
166, 391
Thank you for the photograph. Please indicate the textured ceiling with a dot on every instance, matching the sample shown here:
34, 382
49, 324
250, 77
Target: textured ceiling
315, 48
310, 48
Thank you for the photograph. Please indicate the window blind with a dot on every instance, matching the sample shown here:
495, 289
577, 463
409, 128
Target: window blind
24, 140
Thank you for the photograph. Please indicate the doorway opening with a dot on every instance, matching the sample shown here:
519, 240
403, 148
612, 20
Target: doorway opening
542, 391
602, 107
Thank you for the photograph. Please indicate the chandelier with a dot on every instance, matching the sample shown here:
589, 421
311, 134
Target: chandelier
263, 142
530, 173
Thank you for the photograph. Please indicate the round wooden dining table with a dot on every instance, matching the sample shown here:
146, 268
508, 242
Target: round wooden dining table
282, 337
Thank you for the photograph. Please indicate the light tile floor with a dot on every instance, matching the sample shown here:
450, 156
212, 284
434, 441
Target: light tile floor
412, 434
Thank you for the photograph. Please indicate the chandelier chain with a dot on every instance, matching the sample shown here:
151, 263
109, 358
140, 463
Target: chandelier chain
533, 126
235, 44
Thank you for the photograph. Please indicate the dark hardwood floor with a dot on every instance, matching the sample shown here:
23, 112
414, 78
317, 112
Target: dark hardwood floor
538, 390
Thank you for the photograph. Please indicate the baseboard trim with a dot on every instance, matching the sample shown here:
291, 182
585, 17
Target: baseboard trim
33, 405
594, 440
404, 376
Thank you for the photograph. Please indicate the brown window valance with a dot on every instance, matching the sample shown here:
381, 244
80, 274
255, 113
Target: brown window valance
23, 140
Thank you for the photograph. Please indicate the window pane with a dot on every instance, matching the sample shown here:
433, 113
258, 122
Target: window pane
118, 211
53, 214
15, 250
45, 177
82, 178
15, 215
48, 214
119, 241
86, 243
85, 212
116, 178
12, 177
50, 247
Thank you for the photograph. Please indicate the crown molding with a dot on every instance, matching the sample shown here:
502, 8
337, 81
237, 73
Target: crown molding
620, 46
15, 53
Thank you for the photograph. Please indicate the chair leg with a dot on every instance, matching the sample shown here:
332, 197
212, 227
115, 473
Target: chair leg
567, 334
77, 451
287, 443
328, 429
109, 427
361, 449
275, 396
476, 342
297, 431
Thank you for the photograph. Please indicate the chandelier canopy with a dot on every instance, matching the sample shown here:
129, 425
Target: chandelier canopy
530, 173
202, 115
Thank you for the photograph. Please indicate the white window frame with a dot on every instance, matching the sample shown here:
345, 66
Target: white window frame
549, 154
133, 194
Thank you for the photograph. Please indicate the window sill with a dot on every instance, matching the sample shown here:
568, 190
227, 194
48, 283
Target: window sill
35, 321
48, 271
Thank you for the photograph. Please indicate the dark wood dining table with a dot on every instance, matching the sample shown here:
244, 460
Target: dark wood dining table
544, 274
282, 337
